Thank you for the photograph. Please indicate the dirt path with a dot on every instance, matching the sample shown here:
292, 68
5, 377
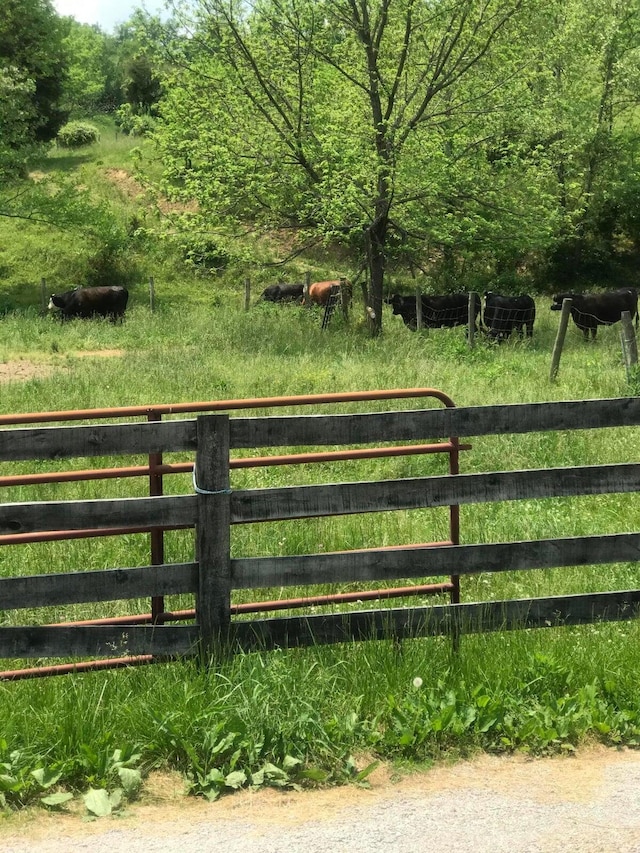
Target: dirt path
20, 370
588, 803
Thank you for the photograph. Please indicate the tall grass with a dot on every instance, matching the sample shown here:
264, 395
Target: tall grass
319, 713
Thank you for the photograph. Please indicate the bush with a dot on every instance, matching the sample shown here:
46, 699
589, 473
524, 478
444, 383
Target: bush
77, 133
205, 253
133, 124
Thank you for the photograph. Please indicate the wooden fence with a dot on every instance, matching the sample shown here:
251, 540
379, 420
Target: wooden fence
214, 507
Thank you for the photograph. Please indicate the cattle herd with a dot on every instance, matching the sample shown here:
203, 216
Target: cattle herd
498, 317
502, 315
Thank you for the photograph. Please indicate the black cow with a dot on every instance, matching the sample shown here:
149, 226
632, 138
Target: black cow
590, 310
405, 307
90, 302
505, 314
282, 293
451, 309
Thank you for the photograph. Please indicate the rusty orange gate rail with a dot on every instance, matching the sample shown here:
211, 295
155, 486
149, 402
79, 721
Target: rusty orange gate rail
156, 469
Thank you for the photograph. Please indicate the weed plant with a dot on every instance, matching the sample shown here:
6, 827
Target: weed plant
320, 714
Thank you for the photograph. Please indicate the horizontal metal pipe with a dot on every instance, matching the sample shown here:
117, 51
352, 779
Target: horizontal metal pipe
341, 598
276, 604
94, 474
81, 666
339, 455
135, 619
184, 615
244, 462
88, 533
223, 405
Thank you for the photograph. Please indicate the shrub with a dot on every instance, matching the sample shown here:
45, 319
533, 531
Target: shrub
77, 133
133, 124
205, 253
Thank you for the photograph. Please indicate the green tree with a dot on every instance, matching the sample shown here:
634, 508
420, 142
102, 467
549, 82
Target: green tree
143, 88
589, 91
89, 67
107, 71
139, 41
364, 121
32, 54
17, 116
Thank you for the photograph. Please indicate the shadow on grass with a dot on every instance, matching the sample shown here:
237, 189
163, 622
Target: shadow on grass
66, 162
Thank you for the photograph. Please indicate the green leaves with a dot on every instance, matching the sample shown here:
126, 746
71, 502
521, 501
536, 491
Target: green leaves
77, 133
56, 801
115, 777
100, 802
33, 66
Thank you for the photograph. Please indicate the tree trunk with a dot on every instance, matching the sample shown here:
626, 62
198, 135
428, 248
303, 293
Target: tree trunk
376, 238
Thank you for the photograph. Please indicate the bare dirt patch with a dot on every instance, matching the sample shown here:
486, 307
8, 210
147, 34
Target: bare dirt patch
23, 369
132, 189
126, 183
97, 353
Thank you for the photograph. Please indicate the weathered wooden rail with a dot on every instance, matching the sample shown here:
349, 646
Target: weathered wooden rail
214, 507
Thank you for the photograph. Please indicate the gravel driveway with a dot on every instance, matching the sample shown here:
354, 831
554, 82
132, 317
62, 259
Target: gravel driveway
589, 802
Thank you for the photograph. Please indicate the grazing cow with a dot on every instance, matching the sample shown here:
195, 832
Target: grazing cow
504, 314
449, 310
590, 310
91, 301
405, 307
320, 291
282, 293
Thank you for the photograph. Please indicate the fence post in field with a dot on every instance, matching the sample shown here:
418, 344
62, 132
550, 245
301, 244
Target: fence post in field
152, 294
211, 482
629, 344
345, 297
418, 308
365, 297
559, 342
43, 294
247, 294
471, 318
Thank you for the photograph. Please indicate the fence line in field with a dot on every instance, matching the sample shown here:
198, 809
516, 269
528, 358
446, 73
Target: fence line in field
214, 507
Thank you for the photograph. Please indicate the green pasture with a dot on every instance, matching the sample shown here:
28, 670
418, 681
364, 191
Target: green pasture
320, 715
316, 713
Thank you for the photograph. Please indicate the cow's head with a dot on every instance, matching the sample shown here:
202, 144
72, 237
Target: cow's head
55, 301
559, 298
395, 300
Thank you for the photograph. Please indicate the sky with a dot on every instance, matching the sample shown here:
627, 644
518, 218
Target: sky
105, 13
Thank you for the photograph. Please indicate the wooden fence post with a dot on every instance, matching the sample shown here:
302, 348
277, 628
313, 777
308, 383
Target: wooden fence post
365, 299
629, 343
247, 294
345, 297
211, 482
471, 318
152, 294
418, 308
559, 342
